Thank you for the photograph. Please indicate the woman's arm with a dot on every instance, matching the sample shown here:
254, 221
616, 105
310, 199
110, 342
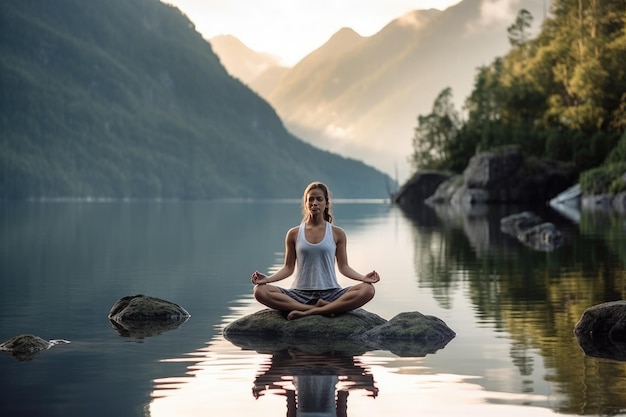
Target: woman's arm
342, 259
288, 266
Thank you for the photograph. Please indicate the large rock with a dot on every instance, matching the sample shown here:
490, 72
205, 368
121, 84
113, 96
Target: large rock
25, 346
504, 176
419, 187
141, 316
351, 333
493, 170
444, 192
601, 330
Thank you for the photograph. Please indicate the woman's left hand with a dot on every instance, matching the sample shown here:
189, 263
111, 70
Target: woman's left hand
371, 277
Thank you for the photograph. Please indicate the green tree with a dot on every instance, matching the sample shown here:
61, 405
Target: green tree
519, 32
435, 133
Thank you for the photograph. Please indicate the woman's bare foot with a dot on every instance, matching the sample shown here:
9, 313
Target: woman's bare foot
295, 314
321, 303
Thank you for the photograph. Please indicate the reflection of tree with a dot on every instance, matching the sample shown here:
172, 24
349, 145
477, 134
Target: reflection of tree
314, 383
536, 297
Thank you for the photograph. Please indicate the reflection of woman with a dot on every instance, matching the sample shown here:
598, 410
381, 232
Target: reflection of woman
321, 382
315, 245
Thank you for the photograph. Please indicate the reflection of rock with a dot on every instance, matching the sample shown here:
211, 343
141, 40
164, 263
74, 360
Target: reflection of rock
410, 334
142, 316
601, 330
352, 333
25, 346
528, 228
139, 329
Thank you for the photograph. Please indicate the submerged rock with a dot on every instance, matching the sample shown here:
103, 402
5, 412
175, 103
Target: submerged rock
529, 229
142, 316
25, 346
601, 330
519, 222
351, 333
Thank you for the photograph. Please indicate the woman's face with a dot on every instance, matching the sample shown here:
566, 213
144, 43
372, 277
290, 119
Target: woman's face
315, 202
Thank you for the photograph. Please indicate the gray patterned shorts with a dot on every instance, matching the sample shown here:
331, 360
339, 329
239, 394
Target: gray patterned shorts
311, 296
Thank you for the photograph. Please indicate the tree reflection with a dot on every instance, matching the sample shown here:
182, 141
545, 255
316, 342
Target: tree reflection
317, 384
537, 298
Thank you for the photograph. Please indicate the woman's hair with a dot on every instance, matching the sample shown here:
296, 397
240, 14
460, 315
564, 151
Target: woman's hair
327, 211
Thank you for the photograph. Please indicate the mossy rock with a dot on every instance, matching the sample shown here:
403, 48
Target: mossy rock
352, 333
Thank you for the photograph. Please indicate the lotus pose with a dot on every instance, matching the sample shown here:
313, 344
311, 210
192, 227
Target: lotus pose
314, 246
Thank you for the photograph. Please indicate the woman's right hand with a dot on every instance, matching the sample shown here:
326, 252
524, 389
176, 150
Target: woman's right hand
258, 278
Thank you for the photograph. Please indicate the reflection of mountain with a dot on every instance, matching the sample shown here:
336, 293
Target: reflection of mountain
361, 96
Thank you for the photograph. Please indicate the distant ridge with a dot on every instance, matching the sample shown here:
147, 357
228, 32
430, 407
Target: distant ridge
125, 99
241, 61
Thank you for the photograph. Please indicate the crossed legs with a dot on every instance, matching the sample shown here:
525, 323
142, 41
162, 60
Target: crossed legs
272, 297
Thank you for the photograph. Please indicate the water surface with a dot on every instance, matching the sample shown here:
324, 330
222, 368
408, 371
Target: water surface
64, 264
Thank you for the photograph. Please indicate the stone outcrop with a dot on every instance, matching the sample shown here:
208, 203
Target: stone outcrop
504, 176
530, 229
351, 333
24, 347
140, 316
601, 330
419, 187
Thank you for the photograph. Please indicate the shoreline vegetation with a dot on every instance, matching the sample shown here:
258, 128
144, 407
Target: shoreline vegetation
559, 97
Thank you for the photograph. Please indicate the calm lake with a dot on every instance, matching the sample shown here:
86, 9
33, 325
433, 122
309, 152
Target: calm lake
64, 264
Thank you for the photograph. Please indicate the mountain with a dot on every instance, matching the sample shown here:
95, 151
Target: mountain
125, 99
239, 60
360, 96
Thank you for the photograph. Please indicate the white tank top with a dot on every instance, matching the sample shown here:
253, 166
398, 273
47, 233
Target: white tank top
315, 262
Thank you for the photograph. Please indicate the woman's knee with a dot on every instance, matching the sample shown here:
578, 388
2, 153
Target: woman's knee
368, 290
260, 292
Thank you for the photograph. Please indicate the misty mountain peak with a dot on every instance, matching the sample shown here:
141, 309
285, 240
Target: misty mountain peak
416, 18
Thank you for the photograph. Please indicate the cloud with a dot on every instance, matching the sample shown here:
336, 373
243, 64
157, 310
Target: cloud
495, 14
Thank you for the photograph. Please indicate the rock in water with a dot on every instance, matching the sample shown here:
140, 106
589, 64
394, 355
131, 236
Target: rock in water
25, 346
269, 330
142, 316
410, 334
601, 330
144, 307
351, 333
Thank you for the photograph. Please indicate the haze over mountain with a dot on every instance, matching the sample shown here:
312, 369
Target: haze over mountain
360, 96
125, 99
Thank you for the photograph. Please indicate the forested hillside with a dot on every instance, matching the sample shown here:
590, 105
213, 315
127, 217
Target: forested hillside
560, 95
124, 99
361, 95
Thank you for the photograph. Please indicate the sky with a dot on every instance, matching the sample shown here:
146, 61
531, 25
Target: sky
290, 29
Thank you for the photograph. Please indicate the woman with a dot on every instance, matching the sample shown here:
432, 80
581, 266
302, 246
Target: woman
315, 245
